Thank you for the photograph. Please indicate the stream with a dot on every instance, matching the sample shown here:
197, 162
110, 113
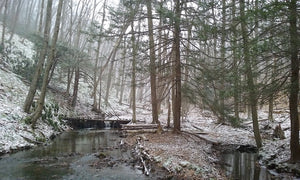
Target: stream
83, 154
244, 166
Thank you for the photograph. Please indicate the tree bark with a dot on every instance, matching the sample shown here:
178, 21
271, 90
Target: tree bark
76, 85
294, 88
133, 75
123, 74
177, 69
109, 78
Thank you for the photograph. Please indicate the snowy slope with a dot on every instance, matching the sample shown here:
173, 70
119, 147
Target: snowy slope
13, 92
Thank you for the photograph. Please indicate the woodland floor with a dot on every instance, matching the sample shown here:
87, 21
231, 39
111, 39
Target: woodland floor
195, 153
183, 155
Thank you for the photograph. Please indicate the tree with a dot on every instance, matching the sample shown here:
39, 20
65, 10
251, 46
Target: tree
177, 69
41, 60
38, 112
152, 64
41, 16
252, 94
95, 85
294, 83
235, 63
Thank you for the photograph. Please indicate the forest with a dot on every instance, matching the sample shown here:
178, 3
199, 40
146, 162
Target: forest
175, 60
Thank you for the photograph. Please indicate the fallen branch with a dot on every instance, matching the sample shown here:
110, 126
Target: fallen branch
142, 155
258, 121
197, 128
31, 141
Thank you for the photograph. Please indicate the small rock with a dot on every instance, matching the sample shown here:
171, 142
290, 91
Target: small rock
101, 155
184, 163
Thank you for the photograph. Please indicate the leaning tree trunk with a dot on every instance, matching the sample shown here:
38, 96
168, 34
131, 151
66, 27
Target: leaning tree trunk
38, 112
40, 64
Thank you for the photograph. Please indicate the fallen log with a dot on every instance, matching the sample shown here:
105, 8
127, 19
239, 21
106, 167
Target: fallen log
203, 138
139, 126
141, 131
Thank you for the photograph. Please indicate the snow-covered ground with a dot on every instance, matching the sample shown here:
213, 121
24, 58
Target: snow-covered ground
13, 128
13, 91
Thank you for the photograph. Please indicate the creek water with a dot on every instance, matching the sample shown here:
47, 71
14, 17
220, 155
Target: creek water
244, 166
74, 155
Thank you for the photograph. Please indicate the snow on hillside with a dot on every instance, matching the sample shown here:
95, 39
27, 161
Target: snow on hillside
13, 91
19, 51
12, 125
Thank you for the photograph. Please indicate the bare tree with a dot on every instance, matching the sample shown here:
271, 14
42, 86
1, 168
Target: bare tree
38, 112
40, 64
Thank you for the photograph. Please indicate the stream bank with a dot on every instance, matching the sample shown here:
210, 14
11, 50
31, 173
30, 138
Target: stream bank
182, 155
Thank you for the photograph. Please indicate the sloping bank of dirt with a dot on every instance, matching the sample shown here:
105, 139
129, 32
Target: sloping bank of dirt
183, 155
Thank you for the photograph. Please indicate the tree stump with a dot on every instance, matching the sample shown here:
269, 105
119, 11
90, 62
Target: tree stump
278, 132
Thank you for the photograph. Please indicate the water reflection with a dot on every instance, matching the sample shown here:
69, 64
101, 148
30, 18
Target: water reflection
243, 166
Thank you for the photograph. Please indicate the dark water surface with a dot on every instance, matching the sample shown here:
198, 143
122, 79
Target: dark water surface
244, 166
72, 156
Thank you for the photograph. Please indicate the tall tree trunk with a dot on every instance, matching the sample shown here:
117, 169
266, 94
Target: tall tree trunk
152, 64
109, 78
271, 98
40, 64
97, 60
235, 64
251, 87
123, 73
169, 112
133, 75
76, 86
38, 112
177, 69
294, 88
69, 80
77, 45
223, 49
